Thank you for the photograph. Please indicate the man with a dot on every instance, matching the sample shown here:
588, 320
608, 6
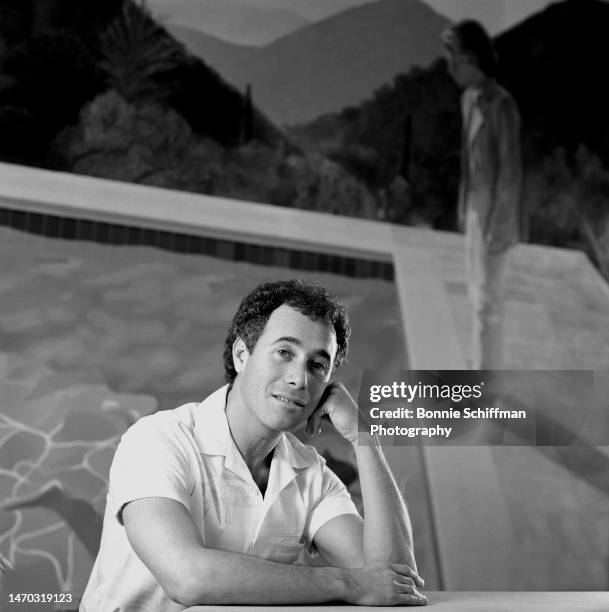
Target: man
491, 177
214, 503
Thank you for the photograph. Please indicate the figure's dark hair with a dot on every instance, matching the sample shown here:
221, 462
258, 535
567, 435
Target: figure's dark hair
473, 40
308, 299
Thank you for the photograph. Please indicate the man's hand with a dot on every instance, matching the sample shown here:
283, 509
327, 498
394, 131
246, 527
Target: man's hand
339, 408
384, 585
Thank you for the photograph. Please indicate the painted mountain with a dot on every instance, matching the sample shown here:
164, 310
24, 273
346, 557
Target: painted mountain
328, 65
238, 22
313, 10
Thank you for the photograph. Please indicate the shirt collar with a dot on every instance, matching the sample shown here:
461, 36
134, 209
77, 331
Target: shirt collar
213, 434
211, 427
294, 452
485, 91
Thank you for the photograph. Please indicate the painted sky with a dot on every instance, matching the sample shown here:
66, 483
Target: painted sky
496, 15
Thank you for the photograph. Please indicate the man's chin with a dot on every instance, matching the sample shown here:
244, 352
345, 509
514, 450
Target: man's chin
286, 421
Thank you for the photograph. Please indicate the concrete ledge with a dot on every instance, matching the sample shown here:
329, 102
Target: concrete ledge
152, 207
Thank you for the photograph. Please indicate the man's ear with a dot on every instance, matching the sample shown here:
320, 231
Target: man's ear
240, 354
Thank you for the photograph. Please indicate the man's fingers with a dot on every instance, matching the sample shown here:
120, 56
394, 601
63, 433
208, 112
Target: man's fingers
404, 580
403, 569
313, 427
409, 593
309, 431
317, 421
406, 570
413, 600
405, 589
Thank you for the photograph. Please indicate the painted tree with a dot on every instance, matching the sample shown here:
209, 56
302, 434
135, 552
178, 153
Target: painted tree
142, 143
139, 59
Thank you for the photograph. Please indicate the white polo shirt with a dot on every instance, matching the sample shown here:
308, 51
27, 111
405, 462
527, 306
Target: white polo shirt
188, 455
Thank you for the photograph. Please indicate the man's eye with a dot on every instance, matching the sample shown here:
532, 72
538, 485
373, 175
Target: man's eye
284, 353
320, 366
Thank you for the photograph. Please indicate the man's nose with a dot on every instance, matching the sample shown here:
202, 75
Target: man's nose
297, 374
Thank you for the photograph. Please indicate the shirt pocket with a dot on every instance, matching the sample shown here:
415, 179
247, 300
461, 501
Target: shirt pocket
281, 548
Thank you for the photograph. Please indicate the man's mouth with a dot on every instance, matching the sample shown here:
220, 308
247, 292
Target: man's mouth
290, 401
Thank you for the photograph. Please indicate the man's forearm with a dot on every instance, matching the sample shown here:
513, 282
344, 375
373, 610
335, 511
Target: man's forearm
387, 527
387, 533
220, 577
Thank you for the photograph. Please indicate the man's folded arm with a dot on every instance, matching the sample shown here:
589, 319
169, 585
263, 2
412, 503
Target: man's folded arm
164, 537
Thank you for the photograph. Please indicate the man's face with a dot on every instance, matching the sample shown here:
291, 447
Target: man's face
462, 69
283, 378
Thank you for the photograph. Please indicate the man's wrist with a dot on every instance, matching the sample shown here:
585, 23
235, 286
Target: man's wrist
364, 438
334, 581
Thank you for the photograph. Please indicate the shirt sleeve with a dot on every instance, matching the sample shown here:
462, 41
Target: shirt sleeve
333, 501
150, 461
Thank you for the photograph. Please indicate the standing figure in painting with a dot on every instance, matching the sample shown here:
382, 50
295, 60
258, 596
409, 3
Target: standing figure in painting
490, 187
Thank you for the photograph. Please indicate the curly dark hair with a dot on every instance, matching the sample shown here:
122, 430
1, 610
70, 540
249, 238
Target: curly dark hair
310, 300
